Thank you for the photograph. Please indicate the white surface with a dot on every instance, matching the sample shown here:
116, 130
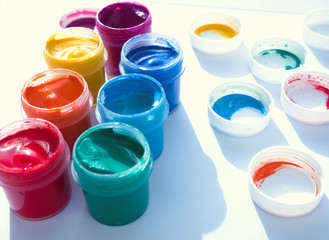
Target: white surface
199, 186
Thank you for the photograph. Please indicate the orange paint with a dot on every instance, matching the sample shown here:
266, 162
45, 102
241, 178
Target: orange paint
57, 92
216, 29
268, 170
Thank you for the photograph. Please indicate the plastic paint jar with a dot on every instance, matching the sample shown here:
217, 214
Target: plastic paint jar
159, 56
33, 168
81, 50
118, 22
273, 59
81, 17
305, 97
62, 97
285, 181
240, 109
138, 100
215, 33
112, 163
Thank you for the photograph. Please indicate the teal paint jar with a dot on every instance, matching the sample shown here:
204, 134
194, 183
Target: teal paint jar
112, 163
138, 100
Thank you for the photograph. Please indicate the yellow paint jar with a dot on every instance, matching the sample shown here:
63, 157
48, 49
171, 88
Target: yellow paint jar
81, 50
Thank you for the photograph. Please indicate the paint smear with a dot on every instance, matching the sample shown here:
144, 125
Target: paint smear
27, 149
107, 152
239, 108
310, 96
278, 59
215, 31
285, 182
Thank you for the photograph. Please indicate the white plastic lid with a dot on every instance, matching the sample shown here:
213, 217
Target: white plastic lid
316, 28
285, 181
221, 33
305, 97
240, 109
273, 59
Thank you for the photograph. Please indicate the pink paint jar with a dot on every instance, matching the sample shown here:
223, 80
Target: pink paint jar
118, 22
33, 168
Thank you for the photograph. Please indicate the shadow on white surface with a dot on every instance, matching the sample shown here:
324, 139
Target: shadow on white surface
313, 225
230, 65
186, 200
315, 137
322, 56
274, 90
239, 150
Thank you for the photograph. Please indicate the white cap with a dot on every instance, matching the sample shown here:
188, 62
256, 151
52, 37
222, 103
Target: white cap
304, 97
316, 28
285, 181
215, 46
249, 121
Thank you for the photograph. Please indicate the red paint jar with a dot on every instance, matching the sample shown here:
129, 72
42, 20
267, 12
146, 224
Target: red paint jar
34, 168
62, 97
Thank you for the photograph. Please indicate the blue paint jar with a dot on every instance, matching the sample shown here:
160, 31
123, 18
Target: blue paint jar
138, 100
158, 56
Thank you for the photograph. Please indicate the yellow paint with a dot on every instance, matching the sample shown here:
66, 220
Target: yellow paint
80, 50
216, 28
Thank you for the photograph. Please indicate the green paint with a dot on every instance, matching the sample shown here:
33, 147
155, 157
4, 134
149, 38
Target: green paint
278, 59
109, 152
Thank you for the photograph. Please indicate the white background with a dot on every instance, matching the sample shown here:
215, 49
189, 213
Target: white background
199, 187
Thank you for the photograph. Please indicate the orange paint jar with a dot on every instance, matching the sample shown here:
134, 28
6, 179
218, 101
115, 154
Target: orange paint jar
81, 50
62, 97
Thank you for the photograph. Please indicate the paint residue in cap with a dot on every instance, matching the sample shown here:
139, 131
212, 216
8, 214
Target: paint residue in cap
215, 31
278, 59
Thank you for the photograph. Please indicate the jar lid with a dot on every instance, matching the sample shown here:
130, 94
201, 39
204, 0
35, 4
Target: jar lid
285, 181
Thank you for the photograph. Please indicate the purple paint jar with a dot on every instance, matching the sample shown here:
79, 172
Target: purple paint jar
118, 22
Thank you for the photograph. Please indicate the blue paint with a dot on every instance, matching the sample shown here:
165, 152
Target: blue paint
278, 59
228, 105
158, 56
138, 100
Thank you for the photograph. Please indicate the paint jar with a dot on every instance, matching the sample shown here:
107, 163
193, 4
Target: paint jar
112, 163
60, 96
316, 28
118, 22
138, 100
159, 56
33, 168
305, 97
240, 109
81, 50
285, 181
215, 33
81, 17
272, 60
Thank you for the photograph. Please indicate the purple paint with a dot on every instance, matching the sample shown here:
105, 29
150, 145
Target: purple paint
79, 18
118, 22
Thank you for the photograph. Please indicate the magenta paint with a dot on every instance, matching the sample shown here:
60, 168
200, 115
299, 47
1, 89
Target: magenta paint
82, 17
118, 22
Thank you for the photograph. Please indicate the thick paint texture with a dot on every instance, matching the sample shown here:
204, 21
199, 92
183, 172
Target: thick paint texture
152, 56
215, 31
278, 59
27, 149
58, 92
109, 152
231, 104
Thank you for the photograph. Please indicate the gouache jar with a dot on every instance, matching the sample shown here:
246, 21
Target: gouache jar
33, 168
112, 163
159, 56
118, 22
81, 50
62, 97
138, 100
81, 17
